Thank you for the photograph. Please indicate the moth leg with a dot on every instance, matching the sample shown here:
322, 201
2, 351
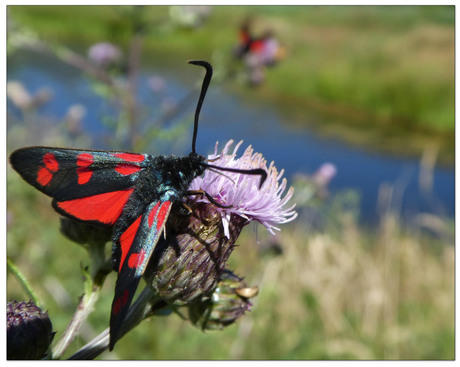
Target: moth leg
186, 207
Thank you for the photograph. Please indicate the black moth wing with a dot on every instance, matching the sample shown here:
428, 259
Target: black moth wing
66, 174
136, 246
87, 185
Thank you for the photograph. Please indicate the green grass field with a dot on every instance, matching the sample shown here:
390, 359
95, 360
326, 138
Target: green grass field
341, 293
374, 73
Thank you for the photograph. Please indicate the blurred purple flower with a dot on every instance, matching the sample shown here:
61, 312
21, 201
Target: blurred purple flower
156, 83
241, 191
325, 174
269, 52
104, 54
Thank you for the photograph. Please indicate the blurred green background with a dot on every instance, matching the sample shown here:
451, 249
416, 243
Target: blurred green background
337, 291
391, 67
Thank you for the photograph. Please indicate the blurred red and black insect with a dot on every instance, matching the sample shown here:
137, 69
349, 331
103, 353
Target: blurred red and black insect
130, 193
257, 53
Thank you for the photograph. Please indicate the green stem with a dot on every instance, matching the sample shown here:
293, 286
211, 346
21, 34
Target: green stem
93, 285
24, 283
84, 309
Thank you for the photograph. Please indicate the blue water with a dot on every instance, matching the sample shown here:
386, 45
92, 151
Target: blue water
225, 117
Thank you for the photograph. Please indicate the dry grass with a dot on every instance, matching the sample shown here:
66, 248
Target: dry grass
339, 293
350, 294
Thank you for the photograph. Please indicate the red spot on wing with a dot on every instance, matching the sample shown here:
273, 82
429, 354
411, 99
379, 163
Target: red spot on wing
164, 210
153, 213
127, 239
161, 215
157, 215
50, 162
135, 260
104, 208
120, 302
130, 157
127, 169
44, 176
84, 175
84, 160
45, 173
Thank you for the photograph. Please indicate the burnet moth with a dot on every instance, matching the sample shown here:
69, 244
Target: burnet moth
130, 193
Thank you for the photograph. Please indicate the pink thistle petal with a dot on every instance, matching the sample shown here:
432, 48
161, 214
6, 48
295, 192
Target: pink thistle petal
241, 191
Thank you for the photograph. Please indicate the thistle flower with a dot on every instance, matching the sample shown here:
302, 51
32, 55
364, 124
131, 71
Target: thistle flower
29, 331
186, 265
242, 192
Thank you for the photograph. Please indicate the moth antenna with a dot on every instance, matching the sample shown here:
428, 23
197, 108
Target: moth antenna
204, 88
256, 171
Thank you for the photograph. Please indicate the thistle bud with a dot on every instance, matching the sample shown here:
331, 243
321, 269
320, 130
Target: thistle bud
187, 265
229, 302
29, 331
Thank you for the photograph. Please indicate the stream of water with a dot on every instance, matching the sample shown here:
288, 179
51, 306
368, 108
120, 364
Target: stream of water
225, 117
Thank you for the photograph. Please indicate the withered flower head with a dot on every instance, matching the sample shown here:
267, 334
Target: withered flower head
229, 301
